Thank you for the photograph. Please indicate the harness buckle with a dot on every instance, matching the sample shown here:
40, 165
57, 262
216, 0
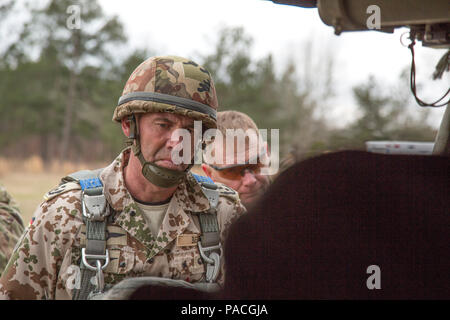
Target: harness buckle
93, 206
97, 257
98, 266
212, 261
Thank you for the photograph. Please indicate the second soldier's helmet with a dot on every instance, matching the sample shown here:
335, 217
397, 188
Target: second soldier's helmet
166, 84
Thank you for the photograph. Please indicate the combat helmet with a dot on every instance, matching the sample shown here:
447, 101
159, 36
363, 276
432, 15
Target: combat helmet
166, 84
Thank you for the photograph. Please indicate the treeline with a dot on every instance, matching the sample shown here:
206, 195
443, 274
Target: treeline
59, 86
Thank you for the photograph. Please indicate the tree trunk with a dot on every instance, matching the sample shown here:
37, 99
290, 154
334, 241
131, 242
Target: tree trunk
69, 111
68, 115
45, 156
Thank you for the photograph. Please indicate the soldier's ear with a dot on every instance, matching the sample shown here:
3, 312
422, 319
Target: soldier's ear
125, 123
129, 126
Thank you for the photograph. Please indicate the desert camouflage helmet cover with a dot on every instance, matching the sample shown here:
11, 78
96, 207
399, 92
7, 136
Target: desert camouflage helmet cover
170, 84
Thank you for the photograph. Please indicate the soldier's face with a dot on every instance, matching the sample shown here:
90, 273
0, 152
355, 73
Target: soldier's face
156, 130
245, 179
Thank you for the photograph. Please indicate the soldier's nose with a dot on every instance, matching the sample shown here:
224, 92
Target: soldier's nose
249, 179
172, 141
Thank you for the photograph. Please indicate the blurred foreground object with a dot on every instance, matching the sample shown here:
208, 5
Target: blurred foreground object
327, 222
155, 288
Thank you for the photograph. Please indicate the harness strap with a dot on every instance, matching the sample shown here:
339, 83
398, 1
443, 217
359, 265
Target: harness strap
89, 175
210, 229
209, 244
94, 259
95, 256
209, 189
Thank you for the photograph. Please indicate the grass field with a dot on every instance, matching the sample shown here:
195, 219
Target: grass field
27, 181
28, 189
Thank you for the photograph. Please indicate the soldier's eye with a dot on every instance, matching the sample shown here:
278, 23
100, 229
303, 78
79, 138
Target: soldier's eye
163, 125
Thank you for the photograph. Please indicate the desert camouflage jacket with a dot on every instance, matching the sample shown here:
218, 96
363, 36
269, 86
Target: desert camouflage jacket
11, 227
45, 263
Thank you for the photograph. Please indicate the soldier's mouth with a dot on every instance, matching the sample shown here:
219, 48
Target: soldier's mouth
167, 163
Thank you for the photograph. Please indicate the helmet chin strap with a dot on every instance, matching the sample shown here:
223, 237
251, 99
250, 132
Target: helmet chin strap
159, 176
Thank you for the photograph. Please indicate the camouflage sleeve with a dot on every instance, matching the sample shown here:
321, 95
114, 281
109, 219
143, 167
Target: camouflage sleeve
11, 226
230, 209
11, 229
32, 271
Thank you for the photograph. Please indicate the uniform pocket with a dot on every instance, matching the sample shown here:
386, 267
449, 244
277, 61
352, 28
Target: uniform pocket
187, 261
121, 260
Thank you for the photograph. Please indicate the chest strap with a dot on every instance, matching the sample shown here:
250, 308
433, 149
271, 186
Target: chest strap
209, 245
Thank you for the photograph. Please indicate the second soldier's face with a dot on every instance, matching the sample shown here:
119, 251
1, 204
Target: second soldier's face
156, 130
250, 186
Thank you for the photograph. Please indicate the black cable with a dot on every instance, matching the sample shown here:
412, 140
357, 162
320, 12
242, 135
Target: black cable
413, 81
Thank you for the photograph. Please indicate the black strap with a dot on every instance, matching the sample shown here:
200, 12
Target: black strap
168, 99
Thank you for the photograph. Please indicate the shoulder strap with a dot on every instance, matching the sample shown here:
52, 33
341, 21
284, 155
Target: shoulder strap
94, 257
92, 197
209, 188
209, 244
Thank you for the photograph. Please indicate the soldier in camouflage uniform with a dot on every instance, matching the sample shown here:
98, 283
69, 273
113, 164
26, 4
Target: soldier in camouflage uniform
11, 226
161, 95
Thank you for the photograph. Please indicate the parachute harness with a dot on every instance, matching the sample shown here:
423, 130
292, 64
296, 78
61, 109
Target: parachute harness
97, 214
